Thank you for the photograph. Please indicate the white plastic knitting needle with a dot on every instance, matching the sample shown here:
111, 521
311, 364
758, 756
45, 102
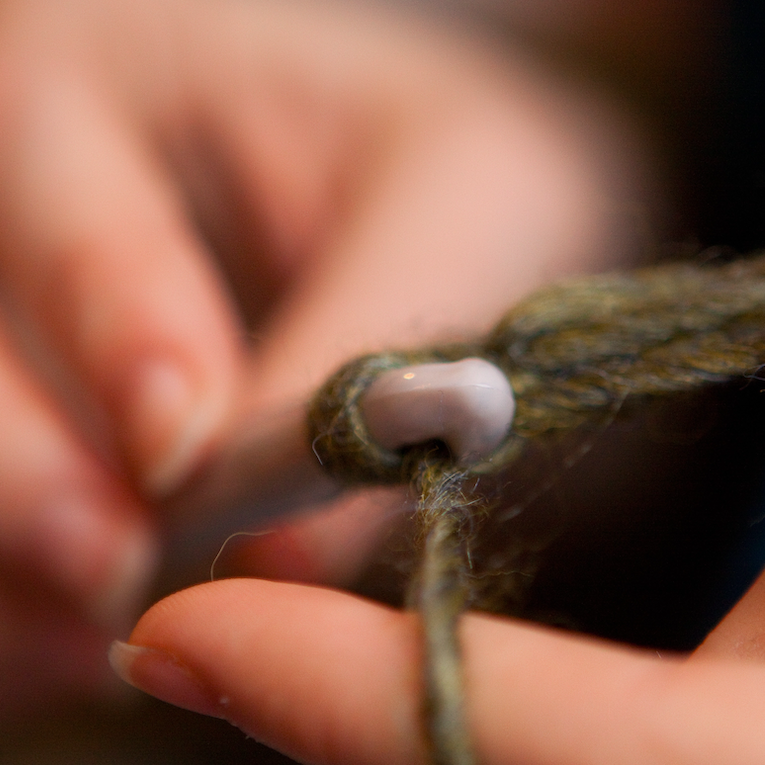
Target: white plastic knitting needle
267, 470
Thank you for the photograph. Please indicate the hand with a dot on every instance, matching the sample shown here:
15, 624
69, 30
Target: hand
177, 173
327, 677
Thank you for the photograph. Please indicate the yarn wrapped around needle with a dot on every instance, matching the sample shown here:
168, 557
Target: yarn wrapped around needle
573, 354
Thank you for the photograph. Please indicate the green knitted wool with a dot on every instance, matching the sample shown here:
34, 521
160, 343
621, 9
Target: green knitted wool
574, 353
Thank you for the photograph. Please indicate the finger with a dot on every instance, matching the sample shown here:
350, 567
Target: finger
264, 506
481, 195
101, 271
326, 677
67, 527
266, 709
741, 634
329, 547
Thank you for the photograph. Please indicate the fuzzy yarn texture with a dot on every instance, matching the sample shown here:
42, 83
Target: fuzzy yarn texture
574, 353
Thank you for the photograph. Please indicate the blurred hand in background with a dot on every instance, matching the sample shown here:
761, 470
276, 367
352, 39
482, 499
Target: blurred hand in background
206, 206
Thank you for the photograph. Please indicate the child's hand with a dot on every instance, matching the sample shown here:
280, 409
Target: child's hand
350, 180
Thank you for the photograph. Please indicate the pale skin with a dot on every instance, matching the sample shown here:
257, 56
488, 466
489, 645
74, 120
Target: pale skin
323, 151
326, 153
330, 678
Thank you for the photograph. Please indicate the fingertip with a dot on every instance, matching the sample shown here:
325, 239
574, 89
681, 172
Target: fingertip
170, 418
160, 674
317, 674
121, 657
121, 291
166, 361
127, 579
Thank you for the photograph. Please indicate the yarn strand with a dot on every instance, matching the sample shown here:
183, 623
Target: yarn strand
440, 594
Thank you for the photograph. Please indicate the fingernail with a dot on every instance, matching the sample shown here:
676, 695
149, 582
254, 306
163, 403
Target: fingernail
159, 674
169, 420
102, 561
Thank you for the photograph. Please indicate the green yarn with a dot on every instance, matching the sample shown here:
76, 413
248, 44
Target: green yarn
440, 592
583, 346
574, 353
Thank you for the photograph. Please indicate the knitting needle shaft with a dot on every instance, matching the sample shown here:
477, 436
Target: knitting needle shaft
264, 472
267, 470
